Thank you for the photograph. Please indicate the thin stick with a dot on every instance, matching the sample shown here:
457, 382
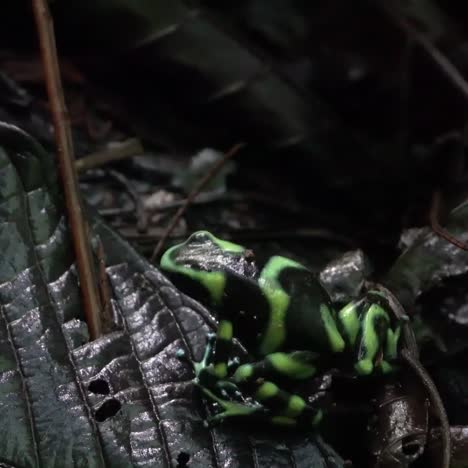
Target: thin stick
125, 149
65, 154
437, 228
447, 67
104, 289
193, 194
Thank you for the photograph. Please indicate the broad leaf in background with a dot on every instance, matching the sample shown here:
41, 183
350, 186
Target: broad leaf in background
123, 400
197, 74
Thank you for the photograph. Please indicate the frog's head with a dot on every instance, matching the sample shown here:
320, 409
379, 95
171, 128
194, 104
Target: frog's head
203, 261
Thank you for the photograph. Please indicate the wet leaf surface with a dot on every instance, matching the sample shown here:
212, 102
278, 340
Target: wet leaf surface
429, 260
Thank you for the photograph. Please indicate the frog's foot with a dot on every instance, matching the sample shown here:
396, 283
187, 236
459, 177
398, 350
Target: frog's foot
206, 374
226, 387
230, 409
207, 355
251, 408
229, 390
233, 365
181, 354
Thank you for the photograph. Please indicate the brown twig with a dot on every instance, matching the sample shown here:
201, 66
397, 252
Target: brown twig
447, 68
436, 402
437, 228
122, 150
65, 154
139, 208
104, 289
197, 189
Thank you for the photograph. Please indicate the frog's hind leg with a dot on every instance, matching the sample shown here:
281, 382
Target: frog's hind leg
255, 394
286, 408
269, 404
207, 354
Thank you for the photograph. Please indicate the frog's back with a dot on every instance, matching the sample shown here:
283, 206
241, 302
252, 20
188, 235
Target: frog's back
245, 305
280, 306
311, 319
299, 301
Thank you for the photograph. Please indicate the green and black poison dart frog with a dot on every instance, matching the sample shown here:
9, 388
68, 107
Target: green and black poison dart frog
284, 318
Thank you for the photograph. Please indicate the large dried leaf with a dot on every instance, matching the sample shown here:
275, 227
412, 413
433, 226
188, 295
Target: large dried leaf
123, 400
430, 259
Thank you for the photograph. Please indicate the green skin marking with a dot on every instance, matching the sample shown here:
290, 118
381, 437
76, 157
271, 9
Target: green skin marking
215, 281
230, 408
296, 406
278, 299
370, 339
283, 421
391, 351
386, 367
275, 334
266, 390
337, 343
225, 330
317, 418
220, 370
225, 246
290, 367
348, 317
392, 343
243, 373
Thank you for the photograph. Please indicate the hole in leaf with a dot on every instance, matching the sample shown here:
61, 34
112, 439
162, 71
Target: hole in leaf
411, 447
108, 409
182, 459
99, 386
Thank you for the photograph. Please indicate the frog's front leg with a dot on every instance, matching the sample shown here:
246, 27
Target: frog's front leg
213, 367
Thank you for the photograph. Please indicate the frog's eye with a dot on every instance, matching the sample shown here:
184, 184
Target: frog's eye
200, 237
249, 255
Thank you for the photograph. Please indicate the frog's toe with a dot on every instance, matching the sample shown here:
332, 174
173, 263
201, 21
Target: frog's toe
229, 390
231, 410
211, 338
209, 349
206, 375
228, 409
182, 355
204, 364
233, 365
